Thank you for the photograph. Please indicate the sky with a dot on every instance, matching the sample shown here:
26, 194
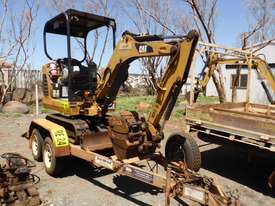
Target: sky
230, 23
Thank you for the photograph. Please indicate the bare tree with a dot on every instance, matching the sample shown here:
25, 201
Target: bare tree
149, 17
16, 32
261, 18
204, 16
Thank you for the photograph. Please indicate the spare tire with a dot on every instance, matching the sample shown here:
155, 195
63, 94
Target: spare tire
183, 147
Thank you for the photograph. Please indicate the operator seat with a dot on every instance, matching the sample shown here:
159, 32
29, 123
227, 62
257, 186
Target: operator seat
83, 78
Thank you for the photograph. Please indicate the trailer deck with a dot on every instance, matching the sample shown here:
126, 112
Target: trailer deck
248, 123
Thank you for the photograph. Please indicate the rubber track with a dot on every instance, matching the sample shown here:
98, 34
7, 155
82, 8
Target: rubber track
76, 128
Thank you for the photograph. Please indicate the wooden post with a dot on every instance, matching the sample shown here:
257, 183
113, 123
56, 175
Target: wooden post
168, 187
36, 100
193, 67
249, 79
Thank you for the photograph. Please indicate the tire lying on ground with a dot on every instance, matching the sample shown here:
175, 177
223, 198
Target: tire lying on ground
53, 165
36, 145
182, 147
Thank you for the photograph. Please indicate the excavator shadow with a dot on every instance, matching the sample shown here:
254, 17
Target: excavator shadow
231, 162
125, 187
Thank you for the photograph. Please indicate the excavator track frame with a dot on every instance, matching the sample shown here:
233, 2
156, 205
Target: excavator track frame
76, 128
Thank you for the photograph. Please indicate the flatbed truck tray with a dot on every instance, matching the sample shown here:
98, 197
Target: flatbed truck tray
248, 123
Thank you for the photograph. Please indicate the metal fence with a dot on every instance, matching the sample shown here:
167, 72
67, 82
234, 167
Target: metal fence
25, 78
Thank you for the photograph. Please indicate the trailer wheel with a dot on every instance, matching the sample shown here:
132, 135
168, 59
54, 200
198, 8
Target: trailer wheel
36, 145
53, 165
185, 149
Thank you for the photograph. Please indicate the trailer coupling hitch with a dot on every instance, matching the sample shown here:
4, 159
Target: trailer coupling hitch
192, 186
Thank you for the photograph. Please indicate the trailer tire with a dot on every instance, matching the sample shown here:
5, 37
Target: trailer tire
185, 149
36, 142
53, 165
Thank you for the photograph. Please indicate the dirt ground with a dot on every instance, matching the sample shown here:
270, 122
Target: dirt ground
82, 184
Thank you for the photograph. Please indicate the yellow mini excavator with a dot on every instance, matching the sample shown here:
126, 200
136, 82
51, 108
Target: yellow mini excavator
85, 128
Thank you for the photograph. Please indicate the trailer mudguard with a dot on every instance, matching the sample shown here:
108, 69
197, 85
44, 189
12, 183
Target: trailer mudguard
56, 132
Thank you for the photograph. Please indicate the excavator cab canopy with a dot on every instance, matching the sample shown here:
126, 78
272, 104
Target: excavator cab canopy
73, 23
